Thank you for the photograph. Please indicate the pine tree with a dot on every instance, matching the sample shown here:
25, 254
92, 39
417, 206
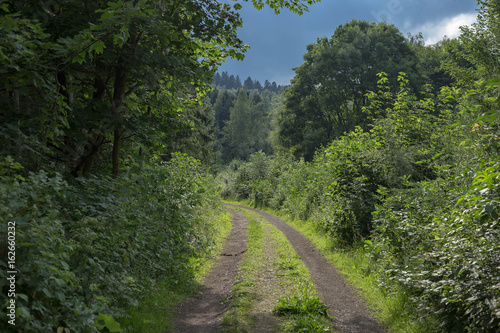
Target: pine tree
248, 83
257, 85
232, 83
248, 129
224, 80
221, 108
217, 79
267, 85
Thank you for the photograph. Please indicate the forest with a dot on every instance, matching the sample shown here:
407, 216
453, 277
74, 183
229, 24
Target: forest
121, 140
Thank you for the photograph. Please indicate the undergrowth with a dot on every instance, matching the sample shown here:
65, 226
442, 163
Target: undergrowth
99, 247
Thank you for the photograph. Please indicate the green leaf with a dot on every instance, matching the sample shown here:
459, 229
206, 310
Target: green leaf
98, 46
53, 214
5, 7
489, 208
104, 321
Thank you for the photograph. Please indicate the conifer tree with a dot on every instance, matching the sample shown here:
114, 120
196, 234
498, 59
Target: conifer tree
248, 83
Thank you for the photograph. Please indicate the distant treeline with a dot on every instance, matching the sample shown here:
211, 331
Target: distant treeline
232, 82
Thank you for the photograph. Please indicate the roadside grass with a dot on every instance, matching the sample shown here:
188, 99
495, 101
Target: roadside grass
389, 307
298, 305
156, 311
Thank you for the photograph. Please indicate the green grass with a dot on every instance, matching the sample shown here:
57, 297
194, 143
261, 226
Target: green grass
155, 313
301, 305
390, 307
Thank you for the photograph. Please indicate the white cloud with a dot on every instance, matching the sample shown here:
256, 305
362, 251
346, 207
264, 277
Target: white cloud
435, 31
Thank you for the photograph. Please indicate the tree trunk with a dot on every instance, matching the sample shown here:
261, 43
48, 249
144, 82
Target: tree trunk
120, 85
116, 152
82, 160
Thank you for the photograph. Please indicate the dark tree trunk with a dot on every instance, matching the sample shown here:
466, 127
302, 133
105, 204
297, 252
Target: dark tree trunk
83, 159
120, 85
116, 152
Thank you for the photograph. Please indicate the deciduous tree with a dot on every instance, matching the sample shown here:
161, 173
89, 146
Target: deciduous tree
328, 91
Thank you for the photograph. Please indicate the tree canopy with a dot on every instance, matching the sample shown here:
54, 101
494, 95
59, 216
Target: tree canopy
90, 75
328, 91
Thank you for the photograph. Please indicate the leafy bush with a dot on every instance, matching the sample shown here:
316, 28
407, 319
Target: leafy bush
87, 251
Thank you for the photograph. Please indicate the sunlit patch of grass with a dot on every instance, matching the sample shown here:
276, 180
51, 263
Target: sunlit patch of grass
301, 305
307, 313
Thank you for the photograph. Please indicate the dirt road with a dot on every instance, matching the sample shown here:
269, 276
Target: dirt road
203, 313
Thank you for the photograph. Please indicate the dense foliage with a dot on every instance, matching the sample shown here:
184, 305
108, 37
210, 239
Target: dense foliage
329, 90
89, 248
243, 122
425, 207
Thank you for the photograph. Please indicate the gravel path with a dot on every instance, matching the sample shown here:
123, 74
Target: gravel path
350, 312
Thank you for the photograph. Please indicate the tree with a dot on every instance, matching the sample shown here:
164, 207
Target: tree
248, 83
238, 82
328, 91
248, 129
275, 87
267, 85
232, 82
430, 61
217, 79
112, 70
222, 105
476, 49
224, 82
195, 135
257, 85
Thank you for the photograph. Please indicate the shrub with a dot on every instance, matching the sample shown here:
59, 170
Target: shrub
87, 251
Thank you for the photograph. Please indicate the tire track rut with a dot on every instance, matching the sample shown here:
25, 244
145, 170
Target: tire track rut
203, 313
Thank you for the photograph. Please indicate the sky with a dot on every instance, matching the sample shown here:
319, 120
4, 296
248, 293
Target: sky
278, 42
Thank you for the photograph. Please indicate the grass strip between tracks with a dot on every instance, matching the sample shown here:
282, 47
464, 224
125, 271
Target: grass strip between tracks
295, 302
